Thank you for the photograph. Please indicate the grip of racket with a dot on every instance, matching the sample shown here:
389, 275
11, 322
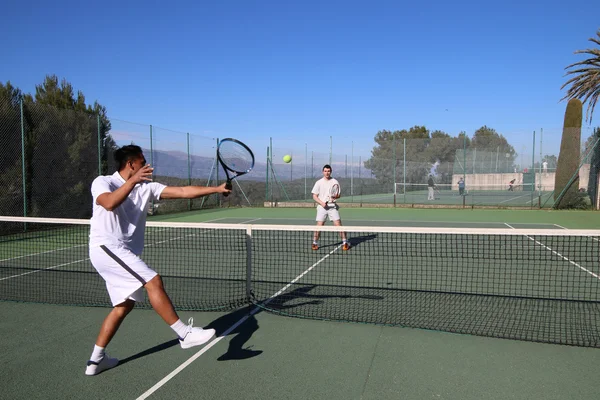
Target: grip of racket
228, 186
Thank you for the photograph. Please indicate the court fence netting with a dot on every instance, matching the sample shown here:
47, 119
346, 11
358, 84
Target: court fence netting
533, 285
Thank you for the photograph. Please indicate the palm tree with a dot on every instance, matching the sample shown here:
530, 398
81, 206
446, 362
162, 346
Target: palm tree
585, 85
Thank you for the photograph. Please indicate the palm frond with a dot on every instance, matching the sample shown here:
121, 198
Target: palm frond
585, 81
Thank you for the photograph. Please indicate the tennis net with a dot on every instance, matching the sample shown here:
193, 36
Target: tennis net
541, 285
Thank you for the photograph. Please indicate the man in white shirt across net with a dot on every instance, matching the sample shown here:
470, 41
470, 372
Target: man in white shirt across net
324, 194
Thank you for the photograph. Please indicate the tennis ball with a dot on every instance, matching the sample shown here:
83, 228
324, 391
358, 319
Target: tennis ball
287, 158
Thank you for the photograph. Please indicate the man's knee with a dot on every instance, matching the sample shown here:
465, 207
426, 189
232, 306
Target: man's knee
121, 310
155, 284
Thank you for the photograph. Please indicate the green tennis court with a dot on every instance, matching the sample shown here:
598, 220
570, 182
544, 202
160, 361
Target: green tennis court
448, 271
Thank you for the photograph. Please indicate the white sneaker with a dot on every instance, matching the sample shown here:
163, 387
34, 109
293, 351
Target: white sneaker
195, 336
94, 368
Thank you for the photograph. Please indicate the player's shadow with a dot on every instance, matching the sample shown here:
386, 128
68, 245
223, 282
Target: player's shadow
355, 241
147, 352
299, 297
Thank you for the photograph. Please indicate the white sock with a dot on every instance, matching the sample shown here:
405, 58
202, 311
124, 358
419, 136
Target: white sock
180, 328
97, 354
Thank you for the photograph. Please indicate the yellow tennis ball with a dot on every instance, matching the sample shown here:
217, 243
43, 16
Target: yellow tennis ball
287, 158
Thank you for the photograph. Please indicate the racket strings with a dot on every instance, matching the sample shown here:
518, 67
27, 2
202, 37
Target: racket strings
335, 190
236, 157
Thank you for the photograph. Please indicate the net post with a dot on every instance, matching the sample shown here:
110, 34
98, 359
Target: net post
249, 262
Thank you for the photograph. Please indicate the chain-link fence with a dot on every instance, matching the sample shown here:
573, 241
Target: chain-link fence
50, 156
400, 171
11, 159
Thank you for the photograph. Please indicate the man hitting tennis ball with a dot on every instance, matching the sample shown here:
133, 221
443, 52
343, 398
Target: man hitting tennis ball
120, 205
325, 192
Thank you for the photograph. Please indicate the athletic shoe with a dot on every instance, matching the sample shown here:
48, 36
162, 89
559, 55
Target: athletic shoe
346, 246
94, 368
315, 246
195, 336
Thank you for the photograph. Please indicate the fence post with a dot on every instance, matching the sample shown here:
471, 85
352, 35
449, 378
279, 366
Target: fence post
267, 177
189, 165
23, 162
533, 169
99, 147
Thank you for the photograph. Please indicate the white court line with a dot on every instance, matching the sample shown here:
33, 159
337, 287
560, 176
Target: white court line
251, 220
515, 198
45, 269
561, 227
349, 221
177, 370
560, 255
43, 252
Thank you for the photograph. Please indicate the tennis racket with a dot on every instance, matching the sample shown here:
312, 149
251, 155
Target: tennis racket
236, 159
334, 193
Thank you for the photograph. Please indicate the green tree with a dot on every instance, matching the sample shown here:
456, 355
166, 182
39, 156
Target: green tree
61, 149
585, 84
426, 152
387, 158
491, 152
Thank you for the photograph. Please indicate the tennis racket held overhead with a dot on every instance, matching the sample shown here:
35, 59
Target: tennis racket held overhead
236, 159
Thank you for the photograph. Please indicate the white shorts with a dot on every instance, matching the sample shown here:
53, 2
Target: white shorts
125, 273
332, 213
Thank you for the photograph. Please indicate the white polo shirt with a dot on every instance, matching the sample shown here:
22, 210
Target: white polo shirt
125, 225
322, 188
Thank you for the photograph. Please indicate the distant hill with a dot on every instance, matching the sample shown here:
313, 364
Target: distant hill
175, 164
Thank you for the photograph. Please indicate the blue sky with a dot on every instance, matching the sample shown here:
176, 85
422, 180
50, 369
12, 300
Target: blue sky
302, 71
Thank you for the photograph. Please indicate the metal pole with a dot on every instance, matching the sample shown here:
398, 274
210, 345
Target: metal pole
267, 178
533, 169
404, 169
305, 165
23, 163
219, 202
270, 164
352, 170
394, 166
99, 147
541, 159
465, 158
497, 154
189, 165
464, 198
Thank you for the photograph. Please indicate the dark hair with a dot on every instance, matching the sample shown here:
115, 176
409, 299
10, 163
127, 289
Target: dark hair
127, 153
326, 166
